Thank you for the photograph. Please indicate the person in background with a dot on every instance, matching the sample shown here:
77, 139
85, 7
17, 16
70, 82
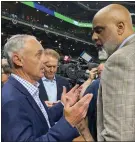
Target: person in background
113, 31
93, 88
4, 61
91, 85
92, 73
51, 85
24, 116
5, 72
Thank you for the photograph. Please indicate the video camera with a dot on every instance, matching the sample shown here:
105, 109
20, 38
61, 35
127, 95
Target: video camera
75, 70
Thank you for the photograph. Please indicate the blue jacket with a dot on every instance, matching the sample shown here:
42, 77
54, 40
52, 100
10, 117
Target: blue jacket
22, 119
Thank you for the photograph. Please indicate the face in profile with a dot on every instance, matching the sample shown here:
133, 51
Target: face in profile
31, 59
105, 34
50, 67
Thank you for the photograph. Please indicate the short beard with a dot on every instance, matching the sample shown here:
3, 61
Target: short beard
110, 46
102, 54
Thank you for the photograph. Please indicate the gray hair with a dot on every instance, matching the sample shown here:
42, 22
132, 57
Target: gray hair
14, 44
51, 53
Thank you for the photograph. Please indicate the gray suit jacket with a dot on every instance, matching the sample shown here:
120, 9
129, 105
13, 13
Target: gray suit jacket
116, 99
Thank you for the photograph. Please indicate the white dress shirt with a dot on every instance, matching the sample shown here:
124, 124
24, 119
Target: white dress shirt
51, 88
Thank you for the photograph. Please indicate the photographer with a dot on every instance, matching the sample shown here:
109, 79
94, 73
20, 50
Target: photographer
92, 86
92, 74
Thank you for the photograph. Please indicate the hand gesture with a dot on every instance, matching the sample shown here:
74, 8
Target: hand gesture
74, 114
93, 73
72, 96
49, 103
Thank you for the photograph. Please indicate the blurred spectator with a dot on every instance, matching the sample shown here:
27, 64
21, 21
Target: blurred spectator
51, 85
93, 88
6, 71
4, 61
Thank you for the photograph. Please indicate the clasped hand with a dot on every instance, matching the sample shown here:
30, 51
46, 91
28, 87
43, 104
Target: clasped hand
74, 109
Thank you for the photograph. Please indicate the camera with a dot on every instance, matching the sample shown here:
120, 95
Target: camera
75, 70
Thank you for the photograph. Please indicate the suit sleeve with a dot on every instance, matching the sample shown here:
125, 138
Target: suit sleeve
67, 85
90, 89
119, 98
56, 112
16, 126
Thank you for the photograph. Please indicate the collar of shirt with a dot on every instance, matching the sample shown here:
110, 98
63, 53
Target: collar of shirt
48, 80
32, 89
126, 40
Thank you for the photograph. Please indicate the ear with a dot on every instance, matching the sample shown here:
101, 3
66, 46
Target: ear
121, 28
17, 59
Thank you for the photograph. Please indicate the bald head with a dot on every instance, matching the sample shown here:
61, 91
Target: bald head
111, 25
115, 13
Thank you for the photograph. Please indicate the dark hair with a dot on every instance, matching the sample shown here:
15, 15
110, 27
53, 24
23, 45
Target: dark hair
6, 69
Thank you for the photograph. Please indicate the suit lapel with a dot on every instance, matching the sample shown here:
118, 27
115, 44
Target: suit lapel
31, 101
50, 120
42, 92
58, 88
36, 108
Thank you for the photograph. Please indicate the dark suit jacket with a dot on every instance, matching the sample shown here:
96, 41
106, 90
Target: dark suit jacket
92, 115
22, 120
60, 81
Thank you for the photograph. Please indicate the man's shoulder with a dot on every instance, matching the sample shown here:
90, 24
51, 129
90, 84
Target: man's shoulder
10, 93
61, 78
124, 54
40, 80
125, 51
8, 88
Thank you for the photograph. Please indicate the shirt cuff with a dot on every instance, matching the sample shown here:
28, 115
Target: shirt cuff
62, 103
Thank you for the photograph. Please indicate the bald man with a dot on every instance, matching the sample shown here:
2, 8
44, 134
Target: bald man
113, 31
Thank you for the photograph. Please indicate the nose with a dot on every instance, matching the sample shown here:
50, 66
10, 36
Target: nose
51, 69
94, 37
